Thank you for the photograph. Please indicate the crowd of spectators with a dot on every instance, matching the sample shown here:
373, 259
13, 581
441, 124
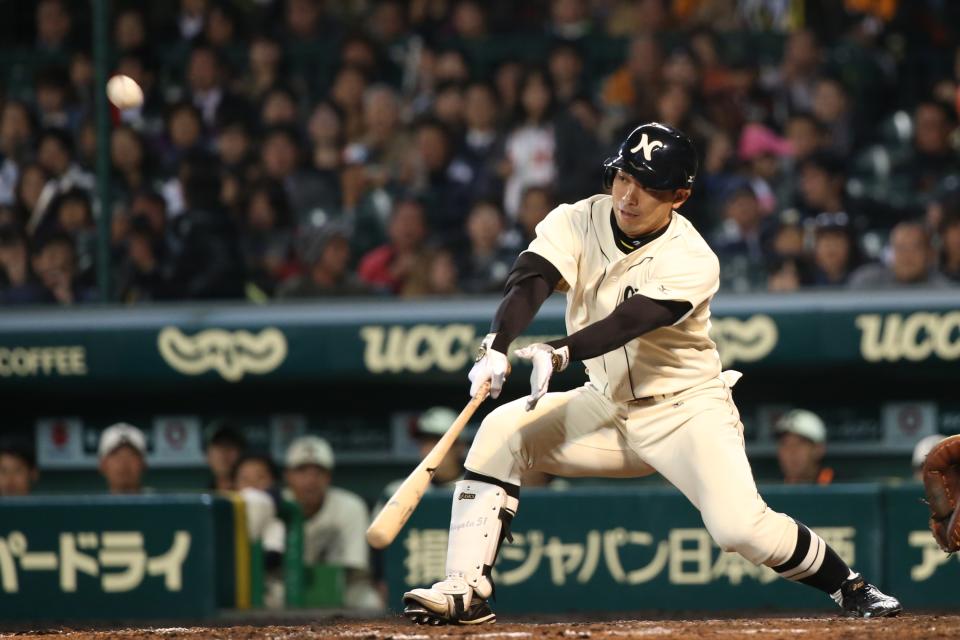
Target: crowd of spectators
300, 148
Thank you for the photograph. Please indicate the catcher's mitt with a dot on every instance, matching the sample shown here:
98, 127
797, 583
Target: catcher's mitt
941, 480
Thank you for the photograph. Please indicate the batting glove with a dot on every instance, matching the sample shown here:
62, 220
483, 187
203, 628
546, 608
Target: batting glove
545, 360
490, 365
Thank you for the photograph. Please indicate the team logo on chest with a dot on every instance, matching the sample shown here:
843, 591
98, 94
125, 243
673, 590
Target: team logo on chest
647, 146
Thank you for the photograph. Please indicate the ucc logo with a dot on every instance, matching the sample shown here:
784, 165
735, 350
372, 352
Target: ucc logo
747, 340
915, 337
230, 353
449, 347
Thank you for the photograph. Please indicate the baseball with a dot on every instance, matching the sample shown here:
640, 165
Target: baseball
124, 92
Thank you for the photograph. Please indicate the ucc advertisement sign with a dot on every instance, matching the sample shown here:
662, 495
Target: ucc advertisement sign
237, 344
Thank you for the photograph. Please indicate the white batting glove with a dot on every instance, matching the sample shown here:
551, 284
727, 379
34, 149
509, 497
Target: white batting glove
545, 360
490, 365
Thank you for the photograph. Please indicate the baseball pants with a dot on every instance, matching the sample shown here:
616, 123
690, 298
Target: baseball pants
693, 438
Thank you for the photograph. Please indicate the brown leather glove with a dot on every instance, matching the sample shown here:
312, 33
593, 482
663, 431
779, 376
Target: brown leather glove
941, 480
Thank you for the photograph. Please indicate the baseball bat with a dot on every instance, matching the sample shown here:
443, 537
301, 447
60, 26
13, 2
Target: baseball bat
405, 499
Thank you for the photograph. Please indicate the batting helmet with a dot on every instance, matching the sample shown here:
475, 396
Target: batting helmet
658, 156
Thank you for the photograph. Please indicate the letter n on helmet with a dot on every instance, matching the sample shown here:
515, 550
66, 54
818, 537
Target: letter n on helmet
657, 156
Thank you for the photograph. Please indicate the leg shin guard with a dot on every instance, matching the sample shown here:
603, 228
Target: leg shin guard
479, 520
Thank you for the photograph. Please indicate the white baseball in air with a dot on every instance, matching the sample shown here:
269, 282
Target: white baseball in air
124, 92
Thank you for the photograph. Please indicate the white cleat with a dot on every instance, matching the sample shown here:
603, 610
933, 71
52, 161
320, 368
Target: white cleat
451, 601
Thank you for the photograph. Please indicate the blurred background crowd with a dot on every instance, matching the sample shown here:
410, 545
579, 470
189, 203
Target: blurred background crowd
300, 148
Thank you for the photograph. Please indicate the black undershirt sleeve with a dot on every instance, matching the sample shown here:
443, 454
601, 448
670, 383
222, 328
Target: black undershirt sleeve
531, 281
631, 319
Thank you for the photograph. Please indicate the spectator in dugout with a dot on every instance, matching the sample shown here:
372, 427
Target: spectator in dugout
123, 459
334, 519
257, 472
225, 446
18, 471
801, 445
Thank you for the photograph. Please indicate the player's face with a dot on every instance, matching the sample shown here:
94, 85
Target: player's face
309, 484
15, 476
640, 210
799, 458
221, 458
123, 468
254, 474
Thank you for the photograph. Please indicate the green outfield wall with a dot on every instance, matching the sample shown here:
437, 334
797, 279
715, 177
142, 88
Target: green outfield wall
110, 557
575, 550
627, 550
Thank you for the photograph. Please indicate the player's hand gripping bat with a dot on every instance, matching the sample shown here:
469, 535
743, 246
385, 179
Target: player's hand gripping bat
405, 499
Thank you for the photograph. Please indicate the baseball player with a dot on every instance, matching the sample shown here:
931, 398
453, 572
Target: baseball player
638, 280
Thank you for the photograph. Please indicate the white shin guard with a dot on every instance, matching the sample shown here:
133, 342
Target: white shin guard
477, 518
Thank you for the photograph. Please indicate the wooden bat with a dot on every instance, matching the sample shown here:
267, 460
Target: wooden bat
405, 499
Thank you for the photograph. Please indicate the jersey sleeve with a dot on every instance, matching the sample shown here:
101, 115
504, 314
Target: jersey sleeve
689, 277
560, 240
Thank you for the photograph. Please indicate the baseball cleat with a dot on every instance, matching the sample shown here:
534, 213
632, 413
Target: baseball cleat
479, 613
449, 602
860, 599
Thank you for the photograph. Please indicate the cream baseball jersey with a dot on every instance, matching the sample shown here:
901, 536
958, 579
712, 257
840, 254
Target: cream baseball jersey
679, 265
335, 534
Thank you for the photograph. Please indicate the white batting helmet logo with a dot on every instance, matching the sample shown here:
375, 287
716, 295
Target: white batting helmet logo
647, 146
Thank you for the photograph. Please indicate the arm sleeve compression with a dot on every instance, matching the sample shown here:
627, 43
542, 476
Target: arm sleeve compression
631, 319
531, 281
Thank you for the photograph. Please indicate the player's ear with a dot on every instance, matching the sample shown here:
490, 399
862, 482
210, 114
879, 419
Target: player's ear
680, 196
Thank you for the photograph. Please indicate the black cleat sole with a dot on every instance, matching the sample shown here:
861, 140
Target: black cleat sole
420, 615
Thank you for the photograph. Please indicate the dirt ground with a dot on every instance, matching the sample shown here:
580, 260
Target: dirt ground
904, 626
